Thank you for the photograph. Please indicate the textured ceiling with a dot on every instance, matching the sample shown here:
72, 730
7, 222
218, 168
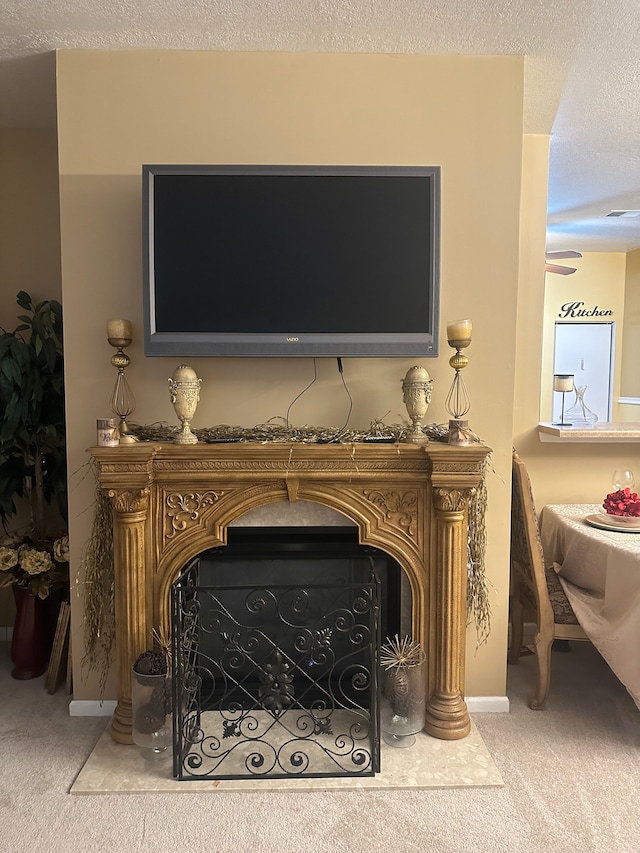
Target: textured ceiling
582, 71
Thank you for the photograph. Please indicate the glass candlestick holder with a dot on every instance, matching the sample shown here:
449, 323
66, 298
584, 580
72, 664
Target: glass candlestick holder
562, 383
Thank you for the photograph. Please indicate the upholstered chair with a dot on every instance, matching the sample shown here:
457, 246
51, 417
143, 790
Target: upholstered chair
535, 589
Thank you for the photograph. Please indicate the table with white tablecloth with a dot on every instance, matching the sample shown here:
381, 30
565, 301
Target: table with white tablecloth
600, 573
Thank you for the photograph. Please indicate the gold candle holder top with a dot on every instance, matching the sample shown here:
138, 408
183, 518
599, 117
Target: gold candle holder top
459, 331
119, 333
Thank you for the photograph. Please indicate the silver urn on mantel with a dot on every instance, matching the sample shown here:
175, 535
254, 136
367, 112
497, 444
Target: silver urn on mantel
184, 388
416, 392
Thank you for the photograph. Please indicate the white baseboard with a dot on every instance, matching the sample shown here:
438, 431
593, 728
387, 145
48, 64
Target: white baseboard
487, 704
92, 708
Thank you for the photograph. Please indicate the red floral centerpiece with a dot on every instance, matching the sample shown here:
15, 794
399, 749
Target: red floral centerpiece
623, 507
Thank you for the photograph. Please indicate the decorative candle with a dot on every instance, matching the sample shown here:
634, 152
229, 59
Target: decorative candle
107, 432
119, 330
563, 382
459, 330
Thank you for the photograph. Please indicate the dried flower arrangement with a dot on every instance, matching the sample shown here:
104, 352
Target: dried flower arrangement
284, 433
400, 653
99, 581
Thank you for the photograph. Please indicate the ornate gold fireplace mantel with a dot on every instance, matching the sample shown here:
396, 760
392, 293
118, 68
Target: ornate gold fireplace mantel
171, 502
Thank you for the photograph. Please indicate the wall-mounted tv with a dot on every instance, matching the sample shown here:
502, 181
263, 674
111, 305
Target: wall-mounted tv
291, 260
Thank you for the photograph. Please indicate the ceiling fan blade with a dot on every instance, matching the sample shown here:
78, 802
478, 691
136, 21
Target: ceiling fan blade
559, 269
558, 255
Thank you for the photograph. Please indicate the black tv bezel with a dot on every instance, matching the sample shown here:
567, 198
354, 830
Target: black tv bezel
326, 344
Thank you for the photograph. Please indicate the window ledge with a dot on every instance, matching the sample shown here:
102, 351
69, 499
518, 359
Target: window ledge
600, 433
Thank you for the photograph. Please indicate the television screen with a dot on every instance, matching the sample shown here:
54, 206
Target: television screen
291, 261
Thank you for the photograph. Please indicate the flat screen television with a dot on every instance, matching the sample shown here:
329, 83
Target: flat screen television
291, 260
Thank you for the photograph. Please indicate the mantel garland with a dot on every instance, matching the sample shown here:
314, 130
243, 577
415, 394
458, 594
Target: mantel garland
272, 431
99, 586
97, 561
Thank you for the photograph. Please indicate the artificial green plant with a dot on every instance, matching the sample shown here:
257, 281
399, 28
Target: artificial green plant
32, 415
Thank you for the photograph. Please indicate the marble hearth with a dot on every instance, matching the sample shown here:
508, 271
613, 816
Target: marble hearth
430, 763
173, 502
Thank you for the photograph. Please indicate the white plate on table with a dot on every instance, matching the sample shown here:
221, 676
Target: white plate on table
603, 523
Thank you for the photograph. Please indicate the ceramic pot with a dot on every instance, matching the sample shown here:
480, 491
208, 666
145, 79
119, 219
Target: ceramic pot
30, 645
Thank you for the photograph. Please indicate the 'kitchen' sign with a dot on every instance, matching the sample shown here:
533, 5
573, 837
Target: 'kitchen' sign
576, 310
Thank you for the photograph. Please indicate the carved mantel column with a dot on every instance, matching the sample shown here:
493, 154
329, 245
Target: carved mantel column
447, 716
455, 473
130, 509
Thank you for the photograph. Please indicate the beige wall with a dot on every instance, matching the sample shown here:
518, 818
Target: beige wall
530, 317
120, 110
29, 238
573, 472
29, 219
630, 384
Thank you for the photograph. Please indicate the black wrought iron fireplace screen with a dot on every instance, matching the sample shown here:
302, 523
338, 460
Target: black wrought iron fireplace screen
275, 642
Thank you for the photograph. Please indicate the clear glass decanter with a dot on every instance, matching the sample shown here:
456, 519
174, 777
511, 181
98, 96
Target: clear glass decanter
580, 413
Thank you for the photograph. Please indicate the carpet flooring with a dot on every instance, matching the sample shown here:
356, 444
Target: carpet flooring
571, 779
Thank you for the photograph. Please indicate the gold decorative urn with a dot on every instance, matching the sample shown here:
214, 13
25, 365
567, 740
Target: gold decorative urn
184, 388
416, 392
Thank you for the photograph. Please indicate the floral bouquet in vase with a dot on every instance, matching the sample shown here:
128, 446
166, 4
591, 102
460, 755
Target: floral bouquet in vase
41, 567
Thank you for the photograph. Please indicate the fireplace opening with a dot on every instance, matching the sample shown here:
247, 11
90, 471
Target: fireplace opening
297, 558
276, 641
304, 555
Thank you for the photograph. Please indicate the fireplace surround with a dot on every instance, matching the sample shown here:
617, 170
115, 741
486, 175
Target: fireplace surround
172, 502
